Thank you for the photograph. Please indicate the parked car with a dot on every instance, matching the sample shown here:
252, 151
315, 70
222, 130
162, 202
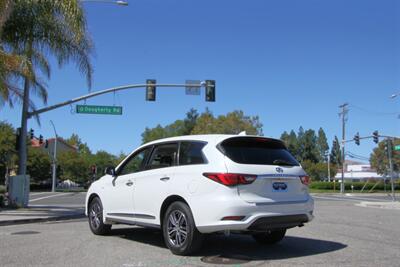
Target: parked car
189, 186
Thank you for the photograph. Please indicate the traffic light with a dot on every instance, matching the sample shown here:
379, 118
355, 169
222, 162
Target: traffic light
151, 90
31, 133
210, 90
357, 139
375, 136
40, 139
46, 144
17, 136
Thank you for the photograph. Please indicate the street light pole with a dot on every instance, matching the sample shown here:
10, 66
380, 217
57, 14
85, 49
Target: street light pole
344, 117
54, 179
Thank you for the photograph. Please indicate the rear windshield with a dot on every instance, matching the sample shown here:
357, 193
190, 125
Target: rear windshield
257, 150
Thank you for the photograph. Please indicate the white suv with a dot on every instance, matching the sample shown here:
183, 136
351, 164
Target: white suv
192, 185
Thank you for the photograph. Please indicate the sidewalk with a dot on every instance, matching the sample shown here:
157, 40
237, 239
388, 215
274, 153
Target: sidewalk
34, 214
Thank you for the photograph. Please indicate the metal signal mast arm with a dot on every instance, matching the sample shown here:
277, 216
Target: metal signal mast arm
105, 91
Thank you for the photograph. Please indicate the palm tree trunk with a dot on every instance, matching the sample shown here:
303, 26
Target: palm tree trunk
22, 159
23, 149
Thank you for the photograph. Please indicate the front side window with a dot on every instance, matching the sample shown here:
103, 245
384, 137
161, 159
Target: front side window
163, 156
190, 153
136, 162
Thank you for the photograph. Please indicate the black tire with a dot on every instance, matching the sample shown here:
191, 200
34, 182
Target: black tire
177, 221
270, 237
95, 214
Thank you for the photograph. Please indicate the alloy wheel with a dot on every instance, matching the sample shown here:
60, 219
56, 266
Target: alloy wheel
95, 215
177, 228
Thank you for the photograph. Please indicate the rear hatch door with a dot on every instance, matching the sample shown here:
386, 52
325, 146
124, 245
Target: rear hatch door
278, 172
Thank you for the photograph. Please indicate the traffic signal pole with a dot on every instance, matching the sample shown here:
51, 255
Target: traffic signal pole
106, 91
22, 152
375, 136
389, 148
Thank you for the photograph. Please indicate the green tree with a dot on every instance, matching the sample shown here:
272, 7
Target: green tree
336, 153
38, 165
76, 141
155, 133
307, 144
190, 121
231, 123
177, 128
380, 161
103, 159
322, 145
205, 123
318, 171
74, 166
291, 143
7, 148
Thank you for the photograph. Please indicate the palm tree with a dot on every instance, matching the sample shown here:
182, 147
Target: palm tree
11, 64
36, 29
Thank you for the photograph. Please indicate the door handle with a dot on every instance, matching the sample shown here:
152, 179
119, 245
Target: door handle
164, 179
129, 183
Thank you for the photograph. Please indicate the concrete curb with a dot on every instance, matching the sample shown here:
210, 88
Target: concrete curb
381, 205
46, 219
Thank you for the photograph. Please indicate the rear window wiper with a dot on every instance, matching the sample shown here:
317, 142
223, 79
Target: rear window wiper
283, 162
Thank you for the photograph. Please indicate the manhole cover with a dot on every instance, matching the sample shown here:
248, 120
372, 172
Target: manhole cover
25, 233
226, 259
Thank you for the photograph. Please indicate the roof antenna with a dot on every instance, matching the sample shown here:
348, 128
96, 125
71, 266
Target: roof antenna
242, 133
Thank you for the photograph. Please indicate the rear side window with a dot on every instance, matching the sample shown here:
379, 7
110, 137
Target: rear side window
257, 150
190, 153
163, 156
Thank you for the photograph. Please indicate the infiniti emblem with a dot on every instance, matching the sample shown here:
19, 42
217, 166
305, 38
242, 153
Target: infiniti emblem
279, 170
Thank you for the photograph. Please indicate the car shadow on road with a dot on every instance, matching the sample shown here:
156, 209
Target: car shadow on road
240, 246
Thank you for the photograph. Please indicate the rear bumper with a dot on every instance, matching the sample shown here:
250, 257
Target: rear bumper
278, 222
257, 217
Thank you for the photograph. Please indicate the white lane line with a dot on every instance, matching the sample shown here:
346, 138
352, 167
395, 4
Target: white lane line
41, 193
58, 195
351, 199
334, 198
368, 199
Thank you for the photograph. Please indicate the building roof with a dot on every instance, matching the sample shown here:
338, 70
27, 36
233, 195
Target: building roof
35, 143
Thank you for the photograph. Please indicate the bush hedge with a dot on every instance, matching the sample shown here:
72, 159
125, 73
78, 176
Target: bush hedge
356, 186
1, 200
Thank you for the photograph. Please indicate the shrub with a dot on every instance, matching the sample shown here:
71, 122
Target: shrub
357, 186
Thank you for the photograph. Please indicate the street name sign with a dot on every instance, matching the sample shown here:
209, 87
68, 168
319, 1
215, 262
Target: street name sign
397, 147
105, 110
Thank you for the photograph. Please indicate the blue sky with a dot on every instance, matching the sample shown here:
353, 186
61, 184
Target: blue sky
291, 62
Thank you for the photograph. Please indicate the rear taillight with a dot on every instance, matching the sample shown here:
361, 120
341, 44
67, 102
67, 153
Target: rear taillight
306, 180
231, 179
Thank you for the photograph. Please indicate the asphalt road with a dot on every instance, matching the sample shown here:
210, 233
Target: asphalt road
342, 234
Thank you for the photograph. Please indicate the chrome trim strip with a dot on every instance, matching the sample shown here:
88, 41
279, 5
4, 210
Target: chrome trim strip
132, 215
117, 220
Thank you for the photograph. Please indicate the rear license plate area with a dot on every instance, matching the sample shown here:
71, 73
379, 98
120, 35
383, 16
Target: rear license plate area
279, 186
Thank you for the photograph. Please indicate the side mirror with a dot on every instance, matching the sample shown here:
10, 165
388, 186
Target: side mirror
110, 171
